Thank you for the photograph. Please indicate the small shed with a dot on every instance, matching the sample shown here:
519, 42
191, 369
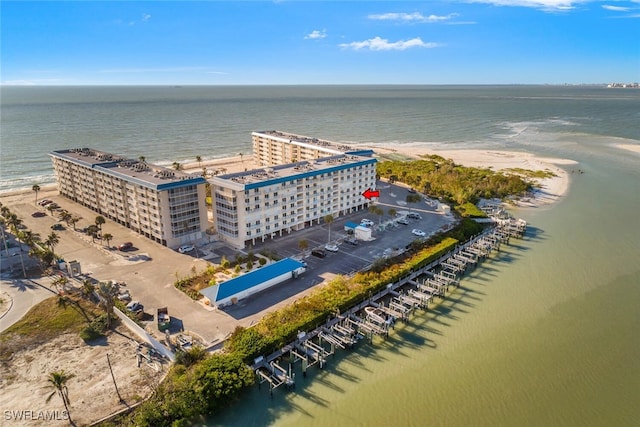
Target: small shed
350, 227
233, 290
363, 233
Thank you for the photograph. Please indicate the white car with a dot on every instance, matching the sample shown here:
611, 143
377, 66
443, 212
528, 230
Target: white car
367, 222
185, 248
134, 306
331, 248
418, 232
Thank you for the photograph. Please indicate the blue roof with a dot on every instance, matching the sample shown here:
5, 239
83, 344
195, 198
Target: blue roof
251, 279
350, 224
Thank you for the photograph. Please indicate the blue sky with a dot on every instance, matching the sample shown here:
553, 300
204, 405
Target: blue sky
320, 42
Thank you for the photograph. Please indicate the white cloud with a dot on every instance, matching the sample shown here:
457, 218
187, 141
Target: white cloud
412, 17
378, 43
615, 8
316, 34
546, 5
145, 17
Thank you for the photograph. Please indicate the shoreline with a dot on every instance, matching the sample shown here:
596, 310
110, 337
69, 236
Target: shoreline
548, 190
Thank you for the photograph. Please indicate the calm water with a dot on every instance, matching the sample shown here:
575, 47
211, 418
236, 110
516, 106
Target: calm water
546, 333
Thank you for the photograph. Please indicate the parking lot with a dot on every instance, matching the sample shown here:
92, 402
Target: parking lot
388, 236
150, 269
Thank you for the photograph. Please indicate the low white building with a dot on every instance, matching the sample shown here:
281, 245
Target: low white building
241, 287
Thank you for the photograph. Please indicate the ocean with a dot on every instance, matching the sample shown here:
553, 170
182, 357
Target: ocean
545, 333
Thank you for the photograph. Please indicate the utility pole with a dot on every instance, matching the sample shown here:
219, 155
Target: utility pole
114, 380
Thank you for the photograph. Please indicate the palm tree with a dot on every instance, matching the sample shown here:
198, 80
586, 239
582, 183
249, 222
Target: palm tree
93, 231
87, 288
99, 221
14, 222
50, 207
241, 161
177, 166
413, 198
199, 160
329, 220
44, 256
60, 283
142, 159
36, 188
30, 238
375, 210
4, 237
74, 220
58, 380
52, 240
107, 237
107, 292
65, 216
392, 212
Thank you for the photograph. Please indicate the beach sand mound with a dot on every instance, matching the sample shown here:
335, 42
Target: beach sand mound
92, 391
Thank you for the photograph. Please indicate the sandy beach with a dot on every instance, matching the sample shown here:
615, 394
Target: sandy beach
629, 147
548, 190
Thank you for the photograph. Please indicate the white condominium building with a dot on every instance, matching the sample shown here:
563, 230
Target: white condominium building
162, 204
274, 147
265, 203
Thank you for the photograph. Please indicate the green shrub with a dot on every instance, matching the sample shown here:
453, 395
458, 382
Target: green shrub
95, 329
90, 333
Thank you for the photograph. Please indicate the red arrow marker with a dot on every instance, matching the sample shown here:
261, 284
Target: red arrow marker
369, 193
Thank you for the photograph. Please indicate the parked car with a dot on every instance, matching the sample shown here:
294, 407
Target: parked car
402, 221
124, 296
320, 253
367, 223
38, 214
331, 248
414, 215
351, 240
185, 248
125, 246
412, 190
52, 206
45, 202
57, 226
135, 306
419, 233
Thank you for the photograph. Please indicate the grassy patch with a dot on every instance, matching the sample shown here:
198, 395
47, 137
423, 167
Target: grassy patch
469, 210
45, 321
531, 173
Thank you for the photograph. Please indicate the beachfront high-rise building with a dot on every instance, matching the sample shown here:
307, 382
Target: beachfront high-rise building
162, 204
265, 203
274, 147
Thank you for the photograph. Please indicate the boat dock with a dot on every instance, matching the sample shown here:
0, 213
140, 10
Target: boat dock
377, 314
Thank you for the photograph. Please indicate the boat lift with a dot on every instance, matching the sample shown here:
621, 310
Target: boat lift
273, 374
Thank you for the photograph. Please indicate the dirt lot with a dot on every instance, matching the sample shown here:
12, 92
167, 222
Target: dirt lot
92, 392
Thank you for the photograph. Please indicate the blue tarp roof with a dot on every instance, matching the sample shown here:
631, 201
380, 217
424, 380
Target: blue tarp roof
350, 224
251, 279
